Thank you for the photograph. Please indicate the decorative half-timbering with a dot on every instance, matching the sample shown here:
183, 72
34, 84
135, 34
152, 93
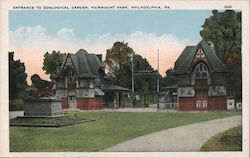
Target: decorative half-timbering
78, 83
200, 79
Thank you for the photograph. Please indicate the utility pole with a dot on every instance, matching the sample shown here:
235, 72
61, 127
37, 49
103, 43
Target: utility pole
158, 82
133, 86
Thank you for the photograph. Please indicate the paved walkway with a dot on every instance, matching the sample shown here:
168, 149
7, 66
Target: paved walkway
184, 138
14, 114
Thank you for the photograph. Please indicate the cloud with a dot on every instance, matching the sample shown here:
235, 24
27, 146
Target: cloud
66, 34
32, 42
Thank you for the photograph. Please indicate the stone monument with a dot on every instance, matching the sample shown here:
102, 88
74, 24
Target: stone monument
41, 102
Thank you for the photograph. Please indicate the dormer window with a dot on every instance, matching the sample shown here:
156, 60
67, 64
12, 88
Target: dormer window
201, 71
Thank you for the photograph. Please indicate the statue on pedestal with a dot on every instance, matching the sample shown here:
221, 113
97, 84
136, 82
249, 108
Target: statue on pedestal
44, 88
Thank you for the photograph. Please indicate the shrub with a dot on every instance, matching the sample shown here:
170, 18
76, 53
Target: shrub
17, 104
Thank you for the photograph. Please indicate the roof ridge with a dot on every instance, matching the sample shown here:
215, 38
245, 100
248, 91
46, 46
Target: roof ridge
210, 51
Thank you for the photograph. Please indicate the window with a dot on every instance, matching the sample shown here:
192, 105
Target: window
71, 76
201, 71
200, 54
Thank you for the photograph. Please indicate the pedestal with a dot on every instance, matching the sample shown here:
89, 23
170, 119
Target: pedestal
43, 107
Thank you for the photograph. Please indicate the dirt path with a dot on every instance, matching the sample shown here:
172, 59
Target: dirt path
184, 138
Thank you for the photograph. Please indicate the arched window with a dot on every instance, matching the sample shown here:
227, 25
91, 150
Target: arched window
201, 71
71, 76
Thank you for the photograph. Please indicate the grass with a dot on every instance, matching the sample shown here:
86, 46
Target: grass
110, 128
230, 140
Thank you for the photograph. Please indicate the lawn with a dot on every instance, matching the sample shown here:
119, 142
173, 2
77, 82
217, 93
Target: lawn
230, 140
108, 129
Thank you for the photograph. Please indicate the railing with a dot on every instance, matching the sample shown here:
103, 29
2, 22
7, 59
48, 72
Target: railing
168, 105
201, 104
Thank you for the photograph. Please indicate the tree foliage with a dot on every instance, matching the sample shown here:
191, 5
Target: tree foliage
224, 30
53, 62
116, 57
169, 79
143, 84
17, 78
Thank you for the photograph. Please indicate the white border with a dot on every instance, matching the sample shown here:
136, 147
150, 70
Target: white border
6, 5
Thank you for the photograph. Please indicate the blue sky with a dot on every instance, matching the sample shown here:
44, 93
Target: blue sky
183, 24
33, 33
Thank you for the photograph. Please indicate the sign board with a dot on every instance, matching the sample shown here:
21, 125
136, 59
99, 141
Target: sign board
186, 92
216, 91
146, 73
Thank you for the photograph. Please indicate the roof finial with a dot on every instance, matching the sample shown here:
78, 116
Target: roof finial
211, 44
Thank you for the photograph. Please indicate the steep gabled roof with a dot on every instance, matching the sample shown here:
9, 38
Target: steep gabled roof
184, 61
86, 65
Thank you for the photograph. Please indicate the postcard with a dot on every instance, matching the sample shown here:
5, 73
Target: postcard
124, 78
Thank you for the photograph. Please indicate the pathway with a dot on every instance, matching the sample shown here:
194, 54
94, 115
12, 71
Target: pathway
14, 114
184, 138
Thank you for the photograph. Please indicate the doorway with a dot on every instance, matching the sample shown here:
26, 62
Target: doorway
71, 101
201, 97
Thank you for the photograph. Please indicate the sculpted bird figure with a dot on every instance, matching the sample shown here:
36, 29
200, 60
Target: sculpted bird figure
44, 88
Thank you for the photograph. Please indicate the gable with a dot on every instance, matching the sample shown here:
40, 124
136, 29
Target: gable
201, 52
68, 62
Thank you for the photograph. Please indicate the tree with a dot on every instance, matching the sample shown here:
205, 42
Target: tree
143, 84
17, 78
116, 57
169, 79
224, 30
53, 62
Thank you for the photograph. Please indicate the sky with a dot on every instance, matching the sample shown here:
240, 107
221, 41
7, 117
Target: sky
33, 33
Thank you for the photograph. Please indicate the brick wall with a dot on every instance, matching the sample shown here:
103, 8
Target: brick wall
217, 103
65, 103
89, 103
214, 103
187, 104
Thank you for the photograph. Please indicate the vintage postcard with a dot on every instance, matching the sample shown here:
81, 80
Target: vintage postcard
124, 78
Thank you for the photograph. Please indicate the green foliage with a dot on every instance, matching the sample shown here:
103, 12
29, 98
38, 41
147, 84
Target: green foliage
17, 104
118, 61
118, 54
17, 77
110, 128
169, 79
116, 57
53, 62
143, 84
230, 140
224, 30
